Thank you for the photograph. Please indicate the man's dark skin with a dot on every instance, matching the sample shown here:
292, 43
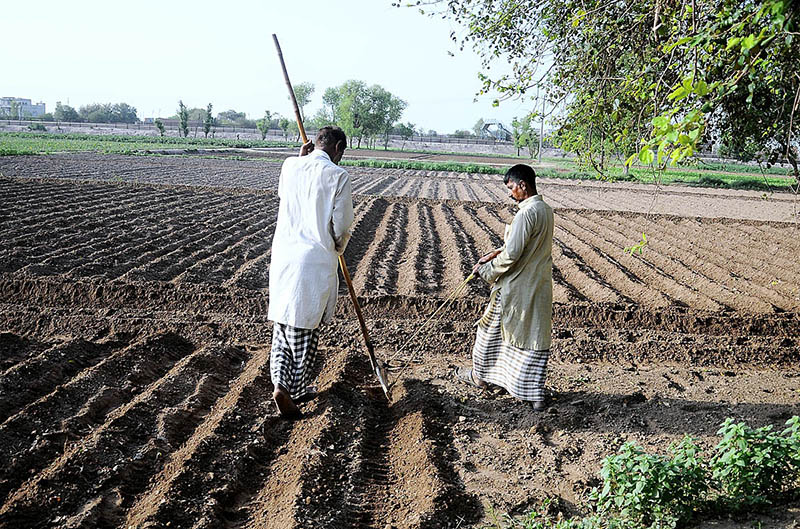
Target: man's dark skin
335, 152
281, 397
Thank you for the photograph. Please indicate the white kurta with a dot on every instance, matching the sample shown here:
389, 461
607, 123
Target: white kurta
314, 220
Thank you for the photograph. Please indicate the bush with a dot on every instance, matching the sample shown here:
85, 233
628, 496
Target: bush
653, 490
749, 468
753, 466
37, 126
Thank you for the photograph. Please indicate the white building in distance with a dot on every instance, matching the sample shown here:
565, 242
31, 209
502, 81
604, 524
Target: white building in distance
19, 108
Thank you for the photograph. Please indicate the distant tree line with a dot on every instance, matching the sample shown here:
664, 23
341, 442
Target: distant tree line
94, 113
369, 115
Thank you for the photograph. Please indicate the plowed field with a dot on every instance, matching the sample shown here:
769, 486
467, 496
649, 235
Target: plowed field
134, 346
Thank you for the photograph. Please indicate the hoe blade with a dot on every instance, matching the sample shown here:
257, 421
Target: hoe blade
379, 368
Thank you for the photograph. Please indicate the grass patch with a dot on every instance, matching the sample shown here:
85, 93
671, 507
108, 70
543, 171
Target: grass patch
447, 153
17, 143
455, 167
716, 179
27, 143
742, 168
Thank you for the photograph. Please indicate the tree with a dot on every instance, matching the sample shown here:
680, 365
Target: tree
524, 134
650, 79
232, 117
302, 93
384, 111
264, 123
108, 113
319, 120
351, 104
66, 113
14, 110
405, 130
284, 125
330, 100
160, 126
183, 116
462, 134
363, 113
123, 113
208, 120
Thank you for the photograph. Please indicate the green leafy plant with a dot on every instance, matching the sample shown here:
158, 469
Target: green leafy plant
638, 247
754, 466
160, 126
750, 467
653, 490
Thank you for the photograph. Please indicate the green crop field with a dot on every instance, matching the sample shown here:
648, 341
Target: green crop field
725, 175
12, 143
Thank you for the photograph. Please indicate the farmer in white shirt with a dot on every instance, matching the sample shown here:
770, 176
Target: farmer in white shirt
314, 220
512, 345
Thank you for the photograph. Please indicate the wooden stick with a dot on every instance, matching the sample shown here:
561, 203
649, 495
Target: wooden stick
291, 91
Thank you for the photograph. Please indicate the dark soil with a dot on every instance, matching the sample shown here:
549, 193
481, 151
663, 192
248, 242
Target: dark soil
134, 347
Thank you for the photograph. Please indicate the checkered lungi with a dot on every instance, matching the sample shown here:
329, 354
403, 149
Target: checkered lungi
521, 372
292, 358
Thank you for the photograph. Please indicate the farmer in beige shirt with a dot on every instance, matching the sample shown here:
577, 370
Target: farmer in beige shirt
513, 338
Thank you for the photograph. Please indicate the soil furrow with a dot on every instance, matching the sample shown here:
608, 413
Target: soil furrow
469, 253
15, 349
678, 287
710, 259
407, 262
59, 418
624, 280
221, 265
193, 384
674, 264
210, 458
29, 380
368, 215
143, 238
382, 268
207, 242
744, 269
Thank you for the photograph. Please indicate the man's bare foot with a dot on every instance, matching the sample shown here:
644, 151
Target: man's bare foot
286, 406
467, 375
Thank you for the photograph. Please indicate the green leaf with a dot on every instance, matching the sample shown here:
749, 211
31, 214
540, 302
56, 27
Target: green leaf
701, 88
660, 122
678, 94
733, 42
646, 156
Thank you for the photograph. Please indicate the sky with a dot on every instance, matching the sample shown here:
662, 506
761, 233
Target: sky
150, 54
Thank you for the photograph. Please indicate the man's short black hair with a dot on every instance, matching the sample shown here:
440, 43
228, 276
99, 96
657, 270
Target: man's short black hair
522, 173
329, 136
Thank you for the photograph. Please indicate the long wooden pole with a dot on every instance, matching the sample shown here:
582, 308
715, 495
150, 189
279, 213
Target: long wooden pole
291, 91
